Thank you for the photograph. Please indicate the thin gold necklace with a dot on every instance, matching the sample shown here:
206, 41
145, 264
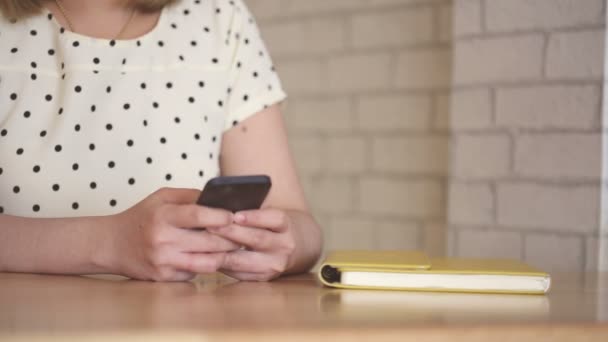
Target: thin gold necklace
71, 26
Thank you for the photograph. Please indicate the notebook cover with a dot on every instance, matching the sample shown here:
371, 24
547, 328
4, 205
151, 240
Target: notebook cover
418, 262
380, 260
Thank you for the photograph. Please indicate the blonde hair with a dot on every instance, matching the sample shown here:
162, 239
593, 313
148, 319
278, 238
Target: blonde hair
16, 9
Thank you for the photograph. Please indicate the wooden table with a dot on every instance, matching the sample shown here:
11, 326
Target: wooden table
38, 307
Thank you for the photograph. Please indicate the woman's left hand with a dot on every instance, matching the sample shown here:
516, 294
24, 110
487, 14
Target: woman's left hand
268, 238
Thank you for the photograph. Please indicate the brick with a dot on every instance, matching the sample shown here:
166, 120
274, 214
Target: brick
466, 17
470, 204
424, 68
576, 55
394, 28
307, 185
346, 154
394, 113
554, 253
401, 198
365, 233
452, 242
489, 244
292, 7
592, 248
322, 6
308, 153
264, 9
395, 235
559, 156
332, 195
434, 239
481, 156
415, 155
286, 37
351, 234
504, 59
515, 15
442, 117
359, 72
320, 115
444, 23
603, 255
467, 109
548, 107
548, 207
302, 77
378, 3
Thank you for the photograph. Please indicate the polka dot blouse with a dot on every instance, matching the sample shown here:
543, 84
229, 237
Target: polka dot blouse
91, 126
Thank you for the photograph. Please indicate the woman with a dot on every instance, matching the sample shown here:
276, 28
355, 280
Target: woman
114, 114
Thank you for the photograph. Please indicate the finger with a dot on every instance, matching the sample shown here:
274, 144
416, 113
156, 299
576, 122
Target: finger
198, 262
170, 274
192, 241
253, 238
178, 195
195, 216
183, 276
248, 276
251, 262
272, 219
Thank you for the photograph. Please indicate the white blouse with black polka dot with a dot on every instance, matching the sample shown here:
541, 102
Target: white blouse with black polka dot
91, 126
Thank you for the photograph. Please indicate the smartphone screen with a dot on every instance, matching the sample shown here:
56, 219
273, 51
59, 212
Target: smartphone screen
235, 193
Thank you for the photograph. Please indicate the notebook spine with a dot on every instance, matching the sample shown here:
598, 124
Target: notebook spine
331, 274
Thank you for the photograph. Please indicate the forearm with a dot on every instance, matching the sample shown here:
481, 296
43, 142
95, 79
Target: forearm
58, 245
308, 242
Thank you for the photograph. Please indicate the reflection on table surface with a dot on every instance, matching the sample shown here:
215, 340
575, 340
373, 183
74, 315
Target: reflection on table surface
42, 304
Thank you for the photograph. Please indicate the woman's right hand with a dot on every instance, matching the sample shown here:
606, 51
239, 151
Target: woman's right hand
152, 240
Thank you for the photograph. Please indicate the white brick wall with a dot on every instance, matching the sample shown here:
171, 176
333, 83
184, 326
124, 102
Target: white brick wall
548, 107
426, 155
468, 126
385, 113
302, 76
554, 252
524, 114
401, 198
548, 207
467, 109
498, 59
490, 244
359, 72
517, 15
394, 28
471, 204
308, 153
347, 155
424, 68
333, 195
320, 115
558, 156
363, 77
367, 233
576, 55
484, 156
467, 17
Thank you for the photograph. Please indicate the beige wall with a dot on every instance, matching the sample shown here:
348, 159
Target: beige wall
365, 80
468, 126
525, 114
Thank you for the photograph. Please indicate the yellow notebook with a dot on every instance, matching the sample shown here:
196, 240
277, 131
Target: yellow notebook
414, 271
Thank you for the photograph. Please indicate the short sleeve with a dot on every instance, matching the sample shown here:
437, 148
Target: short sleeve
253, 82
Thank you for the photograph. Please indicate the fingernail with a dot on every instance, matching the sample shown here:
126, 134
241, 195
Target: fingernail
239, 217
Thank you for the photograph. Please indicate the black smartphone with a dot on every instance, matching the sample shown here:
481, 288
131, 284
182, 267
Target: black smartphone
235, 193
